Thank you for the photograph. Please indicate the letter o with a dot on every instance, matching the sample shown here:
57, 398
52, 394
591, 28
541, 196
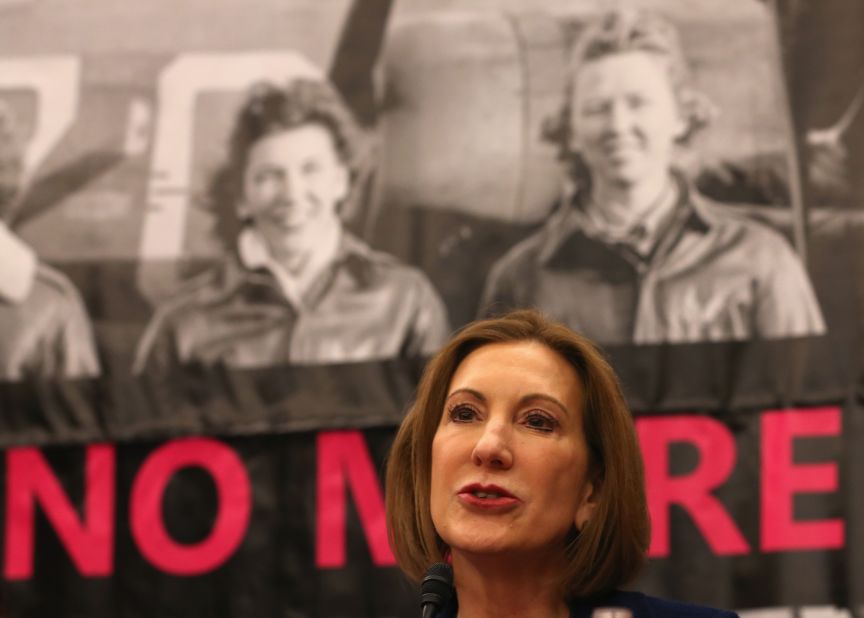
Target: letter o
234, 505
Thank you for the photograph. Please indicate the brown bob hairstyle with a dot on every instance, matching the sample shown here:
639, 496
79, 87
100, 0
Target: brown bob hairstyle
610, 548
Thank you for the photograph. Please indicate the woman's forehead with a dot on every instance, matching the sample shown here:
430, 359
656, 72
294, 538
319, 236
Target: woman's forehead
636, 66
516, 369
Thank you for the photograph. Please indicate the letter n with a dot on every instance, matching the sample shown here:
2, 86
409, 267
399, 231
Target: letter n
88, 539
343, 456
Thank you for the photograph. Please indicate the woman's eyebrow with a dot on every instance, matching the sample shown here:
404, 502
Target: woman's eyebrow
542, 396
469, 391
523, 400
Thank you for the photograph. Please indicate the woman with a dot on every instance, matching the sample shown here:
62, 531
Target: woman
519, 464
296, 287
45, 331
634, 254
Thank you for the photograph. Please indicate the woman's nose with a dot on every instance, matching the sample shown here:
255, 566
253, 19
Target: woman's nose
619, 117
287, 188
493, 447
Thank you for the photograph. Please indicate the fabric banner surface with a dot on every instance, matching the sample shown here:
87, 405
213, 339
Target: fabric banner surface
232, 233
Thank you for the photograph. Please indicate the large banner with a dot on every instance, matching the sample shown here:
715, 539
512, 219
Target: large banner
232, 232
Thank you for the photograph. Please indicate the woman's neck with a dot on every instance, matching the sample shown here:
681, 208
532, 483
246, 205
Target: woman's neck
497, 587
623, 204
297, 270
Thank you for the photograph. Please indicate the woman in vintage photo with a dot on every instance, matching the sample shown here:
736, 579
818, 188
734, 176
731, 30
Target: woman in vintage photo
634, 253
296, 286
45, 330
518, 463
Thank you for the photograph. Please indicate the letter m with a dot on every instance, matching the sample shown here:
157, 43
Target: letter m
344, 459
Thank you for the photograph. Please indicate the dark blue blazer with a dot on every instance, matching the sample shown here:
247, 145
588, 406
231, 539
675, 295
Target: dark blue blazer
642, 606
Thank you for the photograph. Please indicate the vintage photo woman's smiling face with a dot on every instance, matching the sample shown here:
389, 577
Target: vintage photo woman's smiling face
625, 116
509, 458
293, 185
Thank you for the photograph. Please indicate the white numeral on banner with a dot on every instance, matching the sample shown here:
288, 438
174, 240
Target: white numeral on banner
56, 81
138, 127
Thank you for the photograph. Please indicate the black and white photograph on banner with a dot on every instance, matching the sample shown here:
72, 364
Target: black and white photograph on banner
45, 331
678, 251
634, 253
234, 232
297, 288
479, 182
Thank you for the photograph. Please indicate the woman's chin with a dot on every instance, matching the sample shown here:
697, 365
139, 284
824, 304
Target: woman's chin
628, 171
478, 545
287, 250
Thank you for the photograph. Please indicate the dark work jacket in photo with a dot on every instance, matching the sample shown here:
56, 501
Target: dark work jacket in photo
640, 606
712, 275
47, 334
365, 306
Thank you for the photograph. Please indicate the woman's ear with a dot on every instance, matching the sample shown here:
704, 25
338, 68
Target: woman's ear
556, 129
682, 128
252, 248
341, 183
243, 211
587, 506
695, 111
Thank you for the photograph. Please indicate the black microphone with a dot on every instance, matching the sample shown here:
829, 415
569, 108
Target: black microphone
436, 589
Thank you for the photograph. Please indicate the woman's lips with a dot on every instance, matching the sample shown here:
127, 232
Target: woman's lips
487, 497
284, 219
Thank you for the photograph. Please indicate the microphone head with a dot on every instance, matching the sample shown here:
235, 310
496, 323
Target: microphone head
437, 585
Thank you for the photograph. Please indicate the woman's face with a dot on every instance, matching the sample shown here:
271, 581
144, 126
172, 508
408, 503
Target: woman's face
293, 184
625, 117
509, 457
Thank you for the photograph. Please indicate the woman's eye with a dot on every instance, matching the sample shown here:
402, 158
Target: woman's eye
541, 422
637, 102
265, 177
310, 167
595, 109
463, 414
